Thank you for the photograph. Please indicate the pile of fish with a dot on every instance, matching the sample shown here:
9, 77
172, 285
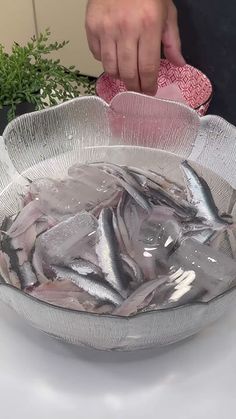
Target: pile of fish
118, 240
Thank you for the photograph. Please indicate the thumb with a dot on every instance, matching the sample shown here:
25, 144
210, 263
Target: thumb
171, 38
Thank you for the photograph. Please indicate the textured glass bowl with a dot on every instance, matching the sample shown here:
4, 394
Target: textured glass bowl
135, 130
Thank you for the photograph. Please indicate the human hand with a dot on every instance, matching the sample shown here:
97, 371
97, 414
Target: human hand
126, 36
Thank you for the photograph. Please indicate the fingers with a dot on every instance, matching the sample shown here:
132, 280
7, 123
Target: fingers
126, 36
127, 54
171, 39
149, 61
104, 51
93, 39
109, 56
94, 46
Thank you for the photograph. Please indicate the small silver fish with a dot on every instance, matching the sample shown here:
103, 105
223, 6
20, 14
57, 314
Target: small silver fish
164, 192
133, 268
198, 230
128, 182
119, 171
7, 275
117, 232
6, 224
101, 291
27, 275
84, 267
108, 253
199, 195
159, 196
37, 264
138, 196
121, 227
24, 243
24, 272
143, 174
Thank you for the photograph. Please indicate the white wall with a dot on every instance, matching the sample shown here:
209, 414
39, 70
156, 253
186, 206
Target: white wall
20, 19
16, 21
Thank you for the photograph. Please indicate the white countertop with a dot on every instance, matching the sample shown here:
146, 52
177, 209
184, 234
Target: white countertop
41, 378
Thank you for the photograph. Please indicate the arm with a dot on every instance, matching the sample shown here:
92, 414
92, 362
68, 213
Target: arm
126, 36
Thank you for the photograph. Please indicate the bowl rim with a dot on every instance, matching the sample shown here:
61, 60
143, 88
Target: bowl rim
209, 98
116, 316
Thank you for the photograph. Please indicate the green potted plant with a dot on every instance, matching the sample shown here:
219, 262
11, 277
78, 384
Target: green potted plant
31, 80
